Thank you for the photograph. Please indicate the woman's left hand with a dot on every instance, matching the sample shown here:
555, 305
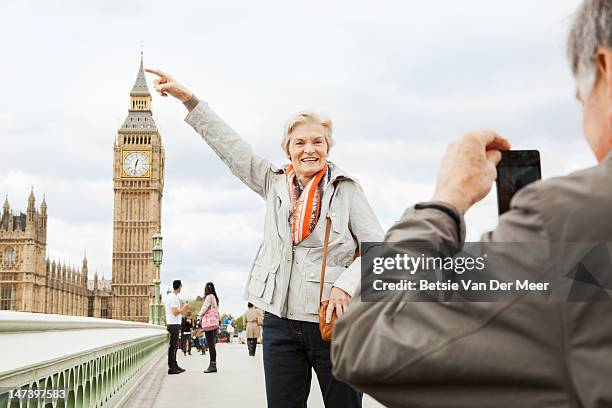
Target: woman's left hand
338, 300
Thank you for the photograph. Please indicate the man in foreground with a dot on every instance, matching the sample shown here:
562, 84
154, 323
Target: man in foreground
500, 354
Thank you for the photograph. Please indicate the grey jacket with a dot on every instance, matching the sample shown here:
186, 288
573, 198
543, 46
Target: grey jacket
491, 354
284, 279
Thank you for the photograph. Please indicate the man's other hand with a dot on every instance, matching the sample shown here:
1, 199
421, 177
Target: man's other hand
468, 169
165, 84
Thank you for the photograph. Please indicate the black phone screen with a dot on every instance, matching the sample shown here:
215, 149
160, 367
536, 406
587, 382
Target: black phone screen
516, 169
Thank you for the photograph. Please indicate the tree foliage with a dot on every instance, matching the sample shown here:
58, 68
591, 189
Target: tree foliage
239, 323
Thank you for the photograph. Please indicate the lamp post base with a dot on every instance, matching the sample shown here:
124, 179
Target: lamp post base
156, 308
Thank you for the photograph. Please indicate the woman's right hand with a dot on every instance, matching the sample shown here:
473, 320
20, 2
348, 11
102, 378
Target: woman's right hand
165, 85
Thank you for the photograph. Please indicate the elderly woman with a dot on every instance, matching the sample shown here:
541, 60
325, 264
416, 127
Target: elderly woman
285, 277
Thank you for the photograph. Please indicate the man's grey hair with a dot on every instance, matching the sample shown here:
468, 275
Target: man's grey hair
591, 29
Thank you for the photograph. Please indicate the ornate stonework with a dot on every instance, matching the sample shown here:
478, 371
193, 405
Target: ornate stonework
29, 280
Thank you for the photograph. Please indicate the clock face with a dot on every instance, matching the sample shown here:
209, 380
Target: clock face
136, 164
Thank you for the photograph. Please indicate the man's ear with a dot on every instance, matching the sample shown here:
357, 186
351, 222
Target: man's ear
603, 60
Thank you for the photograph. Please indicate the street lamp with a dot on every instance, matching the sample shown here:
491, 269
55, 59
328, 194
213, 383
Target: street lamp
158, 251
156, 312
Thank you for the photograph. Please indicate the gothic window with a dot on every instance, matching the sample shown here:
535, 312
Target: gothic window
9, 256
104, 308
8, 298
90, 306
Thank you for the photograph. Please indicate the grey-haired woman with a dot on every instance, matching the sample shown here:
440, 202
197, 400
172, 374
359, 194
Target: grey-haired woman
284, 280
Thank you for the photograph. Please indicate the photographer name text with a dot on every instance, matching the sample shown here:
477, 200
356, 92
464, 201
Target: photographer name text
466, 285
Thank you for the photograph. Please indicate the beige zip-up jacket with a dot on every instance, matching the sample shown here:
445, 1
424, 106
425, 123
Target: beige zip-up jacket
284, 279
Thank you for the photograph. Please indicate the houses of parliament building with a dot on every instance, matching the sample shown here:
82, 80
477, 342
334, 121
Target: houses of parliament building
31, 282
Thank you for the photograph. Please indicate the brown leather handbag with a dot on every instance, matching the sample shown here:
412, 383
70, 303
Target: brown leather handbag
327, 329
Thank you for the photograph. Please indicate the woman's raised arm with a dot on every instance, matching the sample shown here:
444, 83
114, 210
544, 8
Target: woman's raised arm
236, 153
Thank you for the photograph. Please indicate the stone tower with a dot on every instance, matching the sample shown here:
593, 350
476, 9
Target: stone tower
23, 243
138, 176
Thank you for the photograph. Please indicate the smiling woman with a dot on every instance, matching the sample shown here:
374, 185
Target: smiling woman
310, 204
307, 140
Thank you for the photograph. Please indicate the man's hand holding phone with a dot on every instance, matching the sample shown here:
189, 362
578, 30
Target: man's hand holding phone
468, 169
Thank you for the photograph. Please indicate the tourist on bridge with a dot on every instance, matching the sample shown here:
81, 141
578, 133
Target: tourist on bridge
252, 320
304, 199
230, 331
173, 324
209, 315
198, 337
186, 328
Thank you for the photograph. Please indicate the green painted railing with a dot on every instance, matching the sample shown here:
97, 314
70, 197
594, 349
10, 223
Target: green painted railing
89, 362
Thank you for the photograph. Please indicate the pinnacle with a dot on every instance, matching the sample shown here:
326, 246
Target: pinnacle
140, 85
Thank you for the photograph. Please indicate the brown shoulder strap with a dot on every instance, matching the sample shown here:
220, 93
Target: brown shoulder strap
324, 260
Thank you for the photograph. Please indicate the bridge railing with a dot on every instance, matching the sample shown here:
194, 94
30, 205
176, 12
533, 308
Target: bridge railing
89, 362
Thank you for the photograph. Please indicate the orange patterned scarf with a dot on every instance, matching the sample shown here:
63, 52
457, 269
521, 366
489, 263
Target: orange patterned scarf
305, 204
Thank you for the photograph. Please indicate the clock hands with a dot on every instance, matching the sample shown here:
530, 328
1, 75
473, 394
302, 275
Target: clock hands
136, 164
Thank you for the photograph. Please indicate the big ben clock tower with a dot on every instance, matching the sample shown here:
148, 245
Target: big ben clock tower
138, 176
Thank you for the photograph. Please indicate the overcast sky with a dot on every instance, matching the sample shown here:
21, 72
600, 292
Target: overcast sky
399, 79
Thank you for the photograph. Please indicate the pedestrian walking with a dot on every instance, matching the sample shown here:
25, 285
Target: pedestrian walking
253, 321
230, 331
173, 325
186, 327
209, 315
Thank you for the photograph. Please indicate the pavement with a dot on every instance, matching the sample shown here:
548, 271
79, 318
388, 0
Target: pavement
239, 382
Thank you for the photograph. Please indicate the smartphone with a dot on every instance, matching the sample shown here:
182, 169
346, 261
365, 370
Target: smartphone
516, 169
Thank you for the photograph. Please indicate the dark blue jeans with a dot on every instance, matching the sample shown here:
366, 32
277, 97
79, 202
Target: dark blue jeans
291, 349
